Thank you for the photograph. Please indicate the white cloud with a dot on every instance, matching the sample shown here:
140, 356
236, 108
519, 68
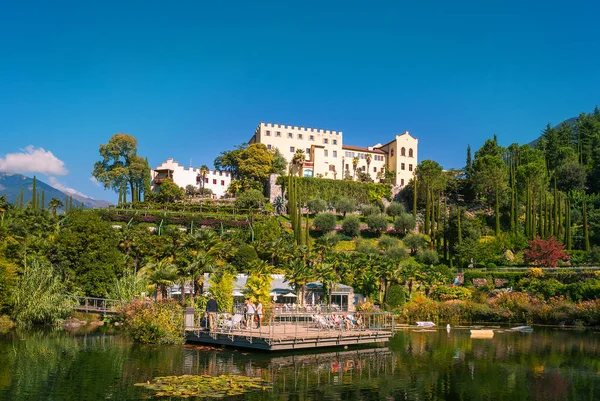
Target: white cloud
32, 160
95, 182
61, 187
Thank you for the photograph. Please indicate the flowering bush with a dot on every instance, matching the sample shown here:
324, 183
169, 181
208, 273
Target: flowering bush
153, 322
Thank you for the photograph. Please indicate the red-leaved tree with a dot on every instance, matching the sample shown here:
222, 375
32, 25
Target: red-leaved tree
545, 252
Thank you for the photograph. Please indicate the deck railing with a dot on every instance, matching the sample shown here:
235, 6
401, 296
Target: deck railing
98, 305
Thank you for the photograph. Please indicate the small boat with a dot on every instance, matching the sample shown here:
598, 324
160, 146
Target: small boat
425, 324
524, 329
484, 333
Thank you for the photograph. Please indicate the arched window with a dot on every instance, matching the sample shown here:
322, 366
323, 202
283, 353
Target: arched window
402, 152
392, 152
410, 153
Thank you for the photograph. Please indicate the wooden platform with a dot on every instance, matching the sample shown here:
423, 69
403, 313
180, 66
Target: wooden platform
283, 337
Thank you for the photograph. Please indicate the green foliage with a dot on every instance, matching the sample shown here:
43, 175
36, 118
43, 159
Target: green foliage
157, 323
256, 162
250, 199
169, 191
366, 247
40, 296
414, 242
127, 287
316, 205
345, 205
395, 209
377, 223
404, 222
447, 293
221, 287
351, 226
387, 242
325, 222
396, 296
244, 256
427, 257
333, 190
368, 210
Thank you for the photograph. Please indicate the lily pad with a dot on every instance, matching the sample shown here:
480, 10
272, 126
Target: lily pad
204, 386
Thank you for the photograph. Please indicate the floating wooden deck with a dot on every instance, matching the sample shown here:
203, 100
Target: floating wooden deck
288, 337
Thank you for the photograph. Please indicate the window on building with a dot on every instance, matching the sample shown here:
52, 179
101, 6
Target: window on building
268, 133
215, 181
308, 151
223, 183
402, 166
269, 147
403, 152
221, 173
335, 141
332, 167
278, 133
364, 168
292, 149
335, 153
325, 153
311, 138
374, 169
392, 152
402, 181
206, 180
347, 166
410, 153
410, 167
325, 141
290, 135
299, 136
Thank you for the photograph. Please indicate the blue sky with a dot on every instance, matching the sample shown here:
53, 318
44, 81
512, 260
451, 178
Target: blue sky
189, 79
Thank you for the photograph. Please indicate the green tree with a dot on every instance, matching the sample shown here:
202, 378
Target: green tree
345, 205
395, 209
229, 160
203, 172
325, 222
377, 223
169, 191
404, 223
489, 177
250, 199
351, 226
54, 204
316, 205
120, 165
160, 274
279, 163
256, 162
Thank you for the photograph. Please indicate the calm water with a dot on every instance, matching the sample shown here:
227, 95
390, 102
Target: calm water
547, 364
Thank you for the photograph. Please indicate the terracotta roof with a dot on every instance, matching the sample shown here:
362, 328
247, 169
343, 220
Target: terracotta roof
358, 148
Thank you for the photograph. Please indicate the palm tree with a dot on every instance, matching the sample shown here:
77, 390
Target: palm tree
298, 273
298, 160
355, 165
54, 204
203, 172
368, 158
160, 275
207, 251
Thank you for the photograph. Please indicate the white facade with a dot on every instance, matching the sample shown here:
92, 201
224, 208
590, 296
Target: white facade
328, 157
216, 181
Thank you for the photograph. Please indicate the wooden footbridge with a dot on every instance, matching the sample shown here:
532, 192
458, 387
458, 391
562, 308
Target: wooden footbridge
291, 332
97, 305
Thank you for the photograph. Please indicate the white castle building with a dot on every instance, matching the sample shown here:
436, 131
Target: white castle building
328, 157
216, 181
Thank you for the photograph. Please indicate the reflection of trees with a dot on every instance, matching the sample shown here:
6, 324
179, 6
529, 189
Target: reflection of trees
544, 365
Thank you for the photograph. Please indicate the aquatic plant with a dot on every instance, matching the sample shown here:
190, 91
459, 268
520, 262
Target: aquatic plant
205, 386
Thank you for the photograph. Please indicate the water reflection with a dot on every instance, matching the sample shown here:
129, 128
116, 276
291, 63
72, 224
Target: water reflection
544, 365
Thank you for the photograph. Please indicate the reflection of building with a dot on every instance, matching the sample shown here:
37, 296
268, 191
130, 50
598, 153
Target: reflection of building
328, 157
216, 181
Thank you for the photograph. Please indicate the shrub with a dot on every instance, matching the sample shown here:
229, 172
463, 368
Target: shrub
388, 242
351, 226
366, 247
395, 209
5, 323
250, 199
545, 252
377, 223
414, 242
345, 205
154, 322
491, 266
396, 296
397, 253
244, 255
445, 293
427, 257
316, 205
325, 222
368, 210
404, 222
535, 272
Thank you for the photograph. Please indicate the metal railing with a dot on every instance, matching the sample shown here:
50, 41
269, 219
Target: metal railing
102, 305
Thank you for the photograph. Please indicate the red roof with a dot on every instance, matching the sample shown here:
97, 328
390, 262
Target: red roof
358, 148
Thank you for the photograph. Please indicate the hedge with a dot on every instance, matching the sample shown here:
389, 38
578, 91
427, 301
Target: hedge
333, 190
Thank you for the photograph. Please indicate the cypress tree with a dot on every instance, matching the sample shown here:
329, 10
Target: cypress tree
527, 216
555, 210
540, 218
43, 200
568, 224
459, 226
70, 203
586, 231
66, 204
560, 217
427, 209
414, 211
21, 203
33, 200
497, 211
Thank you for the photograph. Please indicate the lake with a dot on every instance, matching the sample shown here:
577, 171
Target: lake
548, 364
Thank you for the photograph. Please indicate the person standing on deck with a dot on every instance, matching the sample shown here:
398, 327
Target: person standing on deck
212, 308
259, 312
250, 312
